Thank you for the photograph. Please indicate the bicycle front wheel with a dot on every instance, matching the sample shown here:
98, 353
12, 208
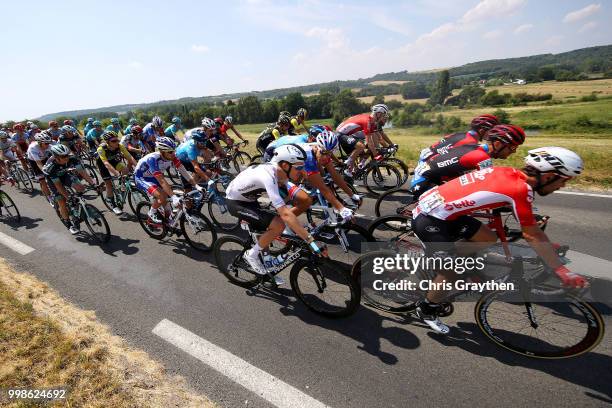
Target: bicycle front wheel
325, 287
24, 181
382, 177
560, 326
135, 196
228, 251
8, 209
199, 231
346, 242
241, 161
220, 215
392, 201
154, 230
96, 223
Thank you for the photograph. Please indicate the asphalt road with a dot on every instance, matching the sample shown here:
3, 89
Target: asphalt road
368, 360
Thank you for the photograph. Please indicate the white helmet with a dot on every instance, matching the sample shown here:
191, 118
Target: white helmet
208, 123
43, 137
380, 108
290, 153
157, 122
556, 159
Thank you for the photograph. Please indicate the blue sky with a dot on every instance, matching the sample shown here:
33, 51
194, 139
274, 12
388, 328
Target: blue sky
67, 55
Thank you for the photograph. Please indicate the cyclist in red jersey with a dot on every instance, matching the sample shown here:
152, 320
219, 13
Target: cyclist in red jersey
480, 125
442, 215
359, 131
500, 142
227, 124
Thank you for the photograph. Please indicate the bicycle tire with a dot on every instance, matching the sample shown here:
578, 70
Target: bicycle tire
103, 196
390, 228
241, 160
232, 264
93, 217
155, 231
92, 173
203, 226
401, 167
255, 160
592, 337
375, 176
24, 178
390, 201
11, 208
220, 215
135, 196
304, 274
356, 236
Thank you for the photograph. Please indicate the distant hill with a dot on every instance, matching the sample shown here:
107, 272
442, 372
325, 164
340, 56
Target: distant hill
512, 67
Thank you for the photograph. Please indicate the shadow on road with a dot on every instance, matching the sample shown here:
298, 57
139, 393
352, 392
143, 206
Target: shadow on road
181, 247
114, 245
591, 370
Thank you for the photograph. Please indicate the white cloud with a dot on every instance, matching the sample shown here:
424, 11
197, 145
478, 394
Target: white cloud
492, 35
554, 40
523, 28
588, 26
333, 36
582, 13
135, 64
487, 8
391, 24
199, 48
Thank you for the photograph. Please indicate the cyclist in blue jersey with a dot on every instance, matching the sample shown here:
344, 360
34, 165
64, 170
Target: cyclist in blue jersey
152, 131
54, 130
128, 128
115, 126
88, 126
188, 153
173, 128
149, 177
93, 136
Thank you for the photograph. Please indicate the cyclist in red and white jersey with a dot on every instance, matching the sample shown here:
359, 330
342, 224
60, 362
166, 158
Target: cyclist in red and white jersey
227, 124
480, 125
442, 215
362, 130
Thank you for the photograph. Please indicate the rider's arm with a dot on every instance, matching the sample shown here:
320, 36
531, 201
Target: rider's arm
198, 170
385, 137
237, 133
60, 188
541, 245
338, 179
183, 172
370, 144
292, 222
316, 181
102, 155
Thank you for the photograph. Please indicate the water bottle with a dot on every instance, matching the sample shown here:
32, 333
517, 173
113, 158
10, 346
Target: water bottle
268, 260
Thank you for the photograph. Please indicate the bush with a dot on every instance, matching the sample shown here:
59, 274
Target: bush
589, 98
583, 121
502, 115
494, 98
565, 75
395, 104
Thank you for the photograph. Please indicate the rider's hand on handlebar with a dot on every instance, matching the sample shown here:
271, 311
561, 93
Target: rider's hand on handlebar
175, 200
346, 214
357, 199
570, 279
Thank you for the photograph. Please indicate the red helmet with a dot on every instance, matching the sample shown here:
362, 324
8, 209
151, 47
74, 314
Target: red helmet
136, 129
68, 122
53, 123
484, 122
219, 121
18, 127
507, 134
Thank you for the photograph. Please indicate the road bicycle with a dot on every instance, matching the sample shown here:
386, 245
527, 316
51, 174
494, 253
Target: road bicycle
81, 211
537, 319
124, 190
377, 176
8, 210
323, 285
22, 179
186, 220
238, 159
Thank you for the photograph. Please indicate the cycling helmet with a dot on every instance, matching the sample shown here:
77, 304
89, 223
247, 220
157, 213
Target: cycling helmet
327, 140
302, 112
66, 129
96, 123
3, 134
176, 120
283, 119
165, 144
136, 130
198, 136
380, 108
115, 121
157, 122
68, 122
133, 121
208, 124
18, 127
90, 120
53, 123
60, 150
484, 122
43, 137
109, 134
555, 159
218, 120
290, 153
314, 130
507, 134
229, 119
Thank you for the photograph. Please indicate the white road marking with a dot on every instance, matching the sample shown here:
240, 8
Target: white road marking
589, 265
15, 245
268, 387
584, 194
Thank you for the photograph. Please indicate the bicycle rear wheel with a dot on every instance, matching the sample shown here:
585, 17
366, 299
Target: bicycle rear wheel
24, 181
241, 161
325, 287
380, 178
220, 215
390, 202
135, 196
154, 230
228, 251
346, 244
8, 209
562, 325
96, 223
199, 231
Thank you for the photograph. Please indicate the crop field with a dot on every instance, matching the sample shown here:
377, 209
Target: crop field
560, 90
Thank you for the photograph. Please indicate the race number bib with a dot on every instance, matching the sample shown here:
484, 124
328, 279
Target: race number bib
431, 201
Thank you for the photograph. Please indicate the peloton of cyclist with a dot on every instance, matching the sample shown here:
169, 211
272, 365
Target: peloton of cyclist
21, 137
132, 141
128, 128
174, 127
442, 215
88, 126
152, 131
114, 126
54, 130
228, 123
188, 153
298, 122
273, 131
37, 154
10, 150
69, 137
93, 135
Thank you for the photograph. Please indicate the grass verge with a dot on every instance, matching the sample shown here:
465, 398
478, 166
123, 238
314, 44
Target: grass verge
47, 342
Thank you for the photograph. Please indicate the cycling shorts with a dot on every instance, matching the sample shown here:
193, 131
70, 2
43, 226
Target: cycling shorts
263, 142
147, 184
67, 180
117, 164
36, 170
439, 235
259, 219
348, 142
